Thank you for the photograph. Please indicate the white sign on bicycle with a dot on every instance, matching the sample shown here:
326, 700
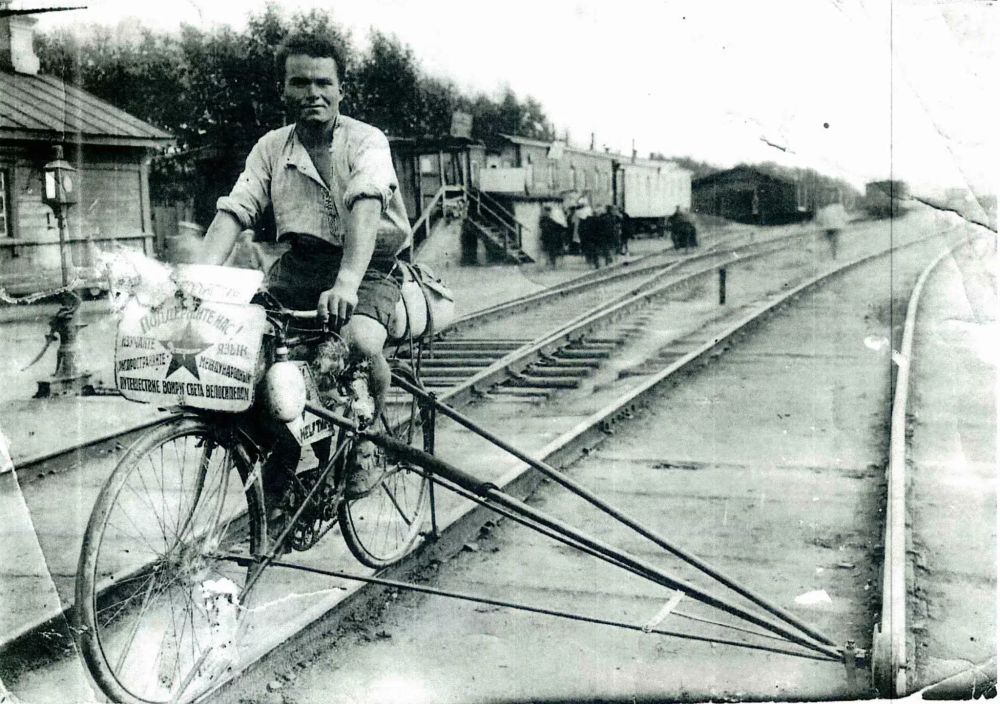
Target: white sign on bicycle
201, 356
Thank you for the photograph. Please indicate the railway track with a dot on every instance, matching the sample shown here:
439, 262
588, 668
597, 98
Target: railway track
472, 329
79, 468
564, 359
940, 527
466, 528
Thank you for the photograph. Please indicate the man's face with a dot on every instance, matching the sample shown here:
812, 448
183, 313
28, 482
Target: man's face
312, 89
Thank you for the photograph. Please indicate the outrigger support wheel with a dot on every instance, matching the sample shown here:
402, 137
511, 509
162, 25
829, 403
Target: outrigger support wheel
888, 678
855, 659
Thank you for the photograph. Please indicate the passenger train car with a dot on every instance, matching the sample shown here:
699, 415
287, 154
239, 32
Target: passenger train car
522, 174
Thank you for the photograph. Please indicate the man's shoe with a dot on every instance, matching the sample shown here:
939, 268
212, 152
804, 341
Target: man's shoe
367, 470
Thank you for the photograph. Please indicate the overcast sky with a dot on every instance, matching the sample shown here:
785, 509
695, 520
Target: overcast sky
713, 79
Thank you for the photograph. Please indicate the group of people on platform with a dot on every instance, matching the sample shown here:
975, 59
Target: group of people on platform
599, 236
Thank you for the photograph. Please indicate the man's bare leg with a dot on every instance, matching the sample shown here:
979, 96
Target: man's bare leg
365, 338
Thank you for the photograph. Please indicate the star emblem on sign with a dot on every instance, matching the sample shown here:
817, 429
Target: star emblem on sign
184, 351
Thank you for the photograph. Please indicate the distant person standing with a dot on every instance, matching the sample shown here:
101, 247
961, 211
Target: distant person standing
831, 218
552, 234
583, 222
579, 212
682, 230
607, 238
618, 229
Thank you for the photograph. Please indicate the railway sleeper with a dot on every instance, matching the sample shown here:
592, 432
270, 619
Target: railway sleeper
559, 372
460, 362
456, 354
451, 372
522, 391
612, 341
582, 353
531, 381
472, 358
600, 344
437, 383
581, 365
478, 344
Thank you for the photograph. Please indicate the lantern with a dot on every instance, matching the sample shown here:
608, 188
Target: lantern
60, 183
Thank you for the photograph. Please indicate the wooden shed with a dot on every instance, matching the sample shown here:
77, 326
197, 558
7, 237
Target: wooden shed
748, 194
110, 149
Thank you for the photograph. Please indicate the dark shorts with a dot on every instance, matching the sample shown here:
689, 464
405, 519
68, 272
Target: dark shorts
306, 270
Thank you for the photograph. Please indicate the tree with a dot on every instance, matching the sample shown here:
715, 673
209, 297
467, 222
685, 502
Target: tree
509, 115
218, 91
386, 87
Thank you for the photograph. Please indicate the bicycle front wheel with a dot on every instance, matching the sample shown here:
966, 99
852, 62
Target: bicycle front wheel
380, 528
159, 588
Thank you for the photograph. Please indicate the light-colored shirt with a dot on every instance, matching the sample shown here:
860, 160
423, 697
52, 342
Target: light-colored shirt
831, 217
279, 172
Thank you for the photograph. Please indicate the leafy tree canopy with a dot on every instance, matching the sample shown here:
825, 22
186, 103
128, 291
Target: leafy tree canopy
217, 90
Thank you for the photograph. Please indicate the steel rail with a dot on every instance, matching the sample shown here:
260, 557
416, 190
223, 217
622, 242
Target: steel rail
587, 434
619, 515
491, 492
889, 651
517, 361
565, 540
580, 283
622, 270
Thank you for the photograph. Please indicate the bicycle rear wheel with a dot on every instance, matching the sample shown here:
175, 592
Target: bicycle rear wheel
380, 528
158, 604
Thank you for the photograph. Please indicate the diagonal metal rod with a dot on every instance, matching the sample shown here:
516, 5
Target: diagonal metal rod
280, 541
565, 540
433, 591
490, 492
584, 493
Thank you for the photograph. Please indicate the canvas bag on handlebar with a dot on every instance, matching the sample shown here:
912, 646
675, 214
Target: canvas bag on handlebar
427, 305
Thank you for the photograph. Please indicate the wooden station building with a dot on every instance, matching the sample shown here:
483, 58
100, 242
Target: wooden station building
110, 149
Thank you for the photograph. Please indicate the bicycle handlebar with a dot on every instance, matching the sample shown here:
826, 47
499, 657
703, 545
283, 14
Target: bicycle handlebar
329, 325
300, 314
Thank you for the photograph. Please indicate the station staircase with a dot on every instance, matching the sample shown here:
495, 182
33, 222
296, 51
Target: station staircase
496, 227
493, 223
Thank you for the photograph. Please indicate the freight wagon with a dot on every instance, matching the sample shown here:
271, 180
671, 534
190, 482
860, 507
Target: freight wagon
886, 199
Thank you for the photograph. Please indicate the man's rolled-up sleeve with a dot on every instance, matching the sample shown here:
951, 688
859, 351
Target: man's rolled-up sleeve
372, 172
252, 192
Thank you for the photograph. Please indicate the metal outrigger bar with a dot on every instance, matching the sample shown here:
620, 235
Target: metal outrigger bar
785, 627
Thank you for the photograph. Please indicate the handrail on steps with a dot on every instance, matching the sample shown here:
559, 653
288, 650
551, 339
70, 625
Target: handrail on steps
425, 217
504, 216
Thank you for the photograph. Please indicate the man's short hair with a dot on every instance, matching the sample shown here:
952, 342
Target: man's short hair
318, 46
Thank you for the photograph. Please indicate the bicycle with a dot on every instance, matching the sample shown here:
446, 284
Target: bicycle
179, 535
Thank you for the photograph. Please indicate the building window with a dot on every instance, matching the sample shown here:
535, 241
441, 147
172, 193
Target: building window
552, 176
427, 165
6, 226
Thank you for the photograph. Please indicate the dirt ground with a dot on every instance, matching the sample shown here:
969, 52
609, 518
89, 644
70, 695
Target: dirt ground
768, 463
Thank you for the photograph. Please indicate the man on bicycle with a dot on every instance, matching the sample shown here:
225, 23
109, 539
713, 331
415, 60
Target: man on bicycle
331, 184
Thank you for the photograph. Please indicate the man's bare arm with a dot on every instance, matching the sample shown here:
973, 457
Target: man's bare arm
359, 245
219, 239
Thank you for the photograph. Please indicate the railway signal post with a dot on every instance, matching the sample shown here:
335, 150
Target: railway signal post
64, 327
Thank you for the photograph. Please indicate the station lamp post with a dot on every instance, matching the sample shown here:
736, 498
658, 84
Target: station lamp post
64, 327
